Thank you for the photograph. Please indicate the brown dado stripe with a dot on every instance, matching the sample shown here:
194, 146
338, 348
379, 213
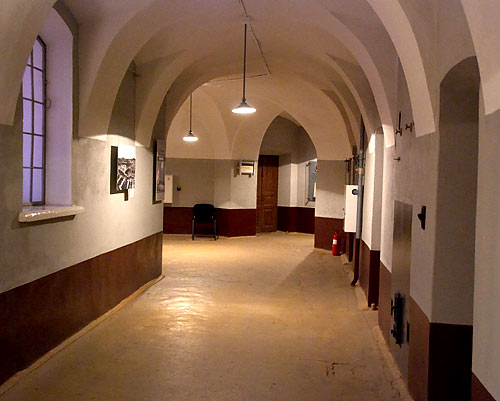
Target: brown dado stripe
177, 220
296, 219
440, 359
324, 228
236, 222
369, 271
478, 391
38, 316
418, 360
384, 302
230, 222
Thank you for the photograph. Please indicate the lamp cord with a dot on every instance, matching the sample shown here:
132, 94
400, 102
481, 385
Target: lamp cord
244, 62
190, 112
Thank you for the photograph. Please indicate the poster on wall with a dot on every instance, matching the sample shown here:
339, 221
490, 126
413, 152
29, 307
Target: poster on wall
312, 178
125, 169
159, 171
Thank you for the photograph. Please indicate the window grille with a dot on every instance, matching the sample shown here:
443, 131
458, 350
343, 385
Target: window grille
34, 125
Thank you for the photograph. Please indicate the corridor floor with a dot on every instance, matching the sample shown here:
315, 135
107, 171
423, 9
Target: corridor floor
251, 319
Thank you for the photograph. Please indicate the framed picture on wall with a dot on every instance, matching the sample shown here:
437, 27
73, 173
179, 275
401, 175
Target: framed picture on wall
312, 177
125, 168
159, 172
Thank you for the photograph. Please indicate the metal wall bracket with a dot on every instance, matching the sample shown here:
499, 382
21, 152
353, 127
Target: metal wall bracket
422, 217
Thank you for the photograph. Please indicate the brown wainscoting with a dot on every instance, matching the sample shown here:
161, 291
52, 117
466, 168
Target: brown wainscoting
236, 222
478, 391
418, 359
450, 362
384, 304
369, 271
324, 228
296, 219
38, 316
177, 220
440, 359
230, 222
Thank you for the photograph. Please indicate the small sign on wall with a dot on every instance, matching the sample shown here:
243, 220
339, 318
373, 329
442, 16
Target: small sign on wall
247, 167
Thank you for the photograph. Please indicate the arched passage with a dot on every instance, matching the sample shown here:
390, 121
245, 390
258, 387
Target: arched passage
453, 276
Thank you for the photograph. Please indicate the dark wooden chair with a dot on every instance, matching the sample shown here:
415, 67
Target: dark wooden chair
204, 213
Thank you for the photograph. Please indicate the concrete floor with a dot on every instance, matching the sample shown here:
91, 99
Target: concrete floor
251, 319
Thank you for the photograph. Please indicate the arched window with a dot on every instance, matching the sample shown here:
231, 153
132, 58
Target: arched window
34, 125
47, 97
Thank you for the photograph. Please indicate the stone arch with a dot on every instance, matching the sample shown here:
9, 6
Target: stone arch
208, 125
401, 32
20, 23
106, 53
482, 17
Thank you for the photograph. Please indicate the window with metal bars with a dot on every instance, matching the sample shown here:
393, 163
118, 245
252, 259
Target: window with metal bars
34, 126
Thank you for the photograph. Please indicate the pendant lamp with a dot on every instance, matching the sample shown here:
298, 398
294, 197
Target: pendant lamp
244, 108
190, 137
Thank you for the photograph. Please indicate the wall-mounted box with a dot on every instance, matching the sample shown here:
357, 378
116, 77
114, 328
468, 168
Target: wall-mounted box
246, 167
351, 209
169, 188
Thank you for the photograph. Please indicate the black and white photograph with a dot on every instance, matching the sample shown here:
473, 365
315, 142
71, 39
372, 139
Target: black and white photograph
159, 189
125, 177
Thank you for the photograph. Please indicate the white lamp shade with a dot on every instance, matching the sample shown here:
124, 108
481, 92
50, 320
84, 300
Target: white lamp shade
244, 108
190, 137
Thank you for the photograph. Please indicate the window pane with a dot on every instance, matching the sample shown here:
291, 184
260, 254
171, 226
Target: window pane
26, 150
26, 185
29, 60
37, 185
27, 83
39, 119
38, 151
38, 85
27, 116
38, 55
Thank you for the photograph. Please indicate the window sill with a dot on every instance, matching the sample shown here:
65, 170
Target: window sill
38, 213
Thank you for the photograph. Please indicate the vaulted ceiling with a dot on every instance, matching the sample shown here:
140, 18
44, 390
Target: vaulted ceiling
326, 63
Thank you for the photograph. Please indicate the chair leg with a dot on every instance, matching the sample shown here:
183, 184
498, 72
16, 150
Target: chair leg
215, 230
192, 230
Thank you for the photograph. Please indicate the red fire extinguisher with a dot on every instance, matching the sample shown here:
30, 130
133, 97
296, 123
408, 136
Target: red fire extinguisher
335, 245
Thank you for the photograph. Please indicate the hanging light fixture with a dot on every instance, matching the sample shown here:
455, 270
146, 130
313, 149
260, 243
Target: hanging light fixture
244, 108
190, 137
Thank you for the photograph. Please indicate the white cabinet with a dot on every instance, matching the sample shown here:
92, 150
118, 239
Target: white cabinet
351, 209
169, 188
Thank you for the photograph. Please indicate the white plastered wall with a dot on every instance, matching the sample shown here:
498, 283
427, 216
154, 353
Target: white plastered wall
486, 345
108, 223
372, 204
59, 41
330, 191
211, 181
410, 176
295, 149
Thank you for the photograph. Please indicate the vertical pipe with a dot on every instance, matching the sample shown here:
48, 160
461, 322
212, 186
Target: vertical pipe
359, 217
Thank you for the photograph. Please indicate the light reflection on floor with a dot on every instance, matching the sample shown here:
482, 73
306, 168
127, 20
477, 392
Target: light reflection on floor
252, 319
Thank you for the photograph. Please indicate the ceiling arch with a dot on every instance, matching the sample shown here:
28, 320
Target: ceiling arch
483, 17
320, 116
208, 126
20, 23
402, 35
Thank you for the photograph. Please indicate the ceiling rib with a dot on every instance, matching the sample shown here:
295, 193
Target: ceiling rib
257, 42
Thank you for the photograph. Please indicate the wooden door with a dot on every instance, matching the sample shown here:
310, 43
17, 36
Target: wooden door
267, 193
